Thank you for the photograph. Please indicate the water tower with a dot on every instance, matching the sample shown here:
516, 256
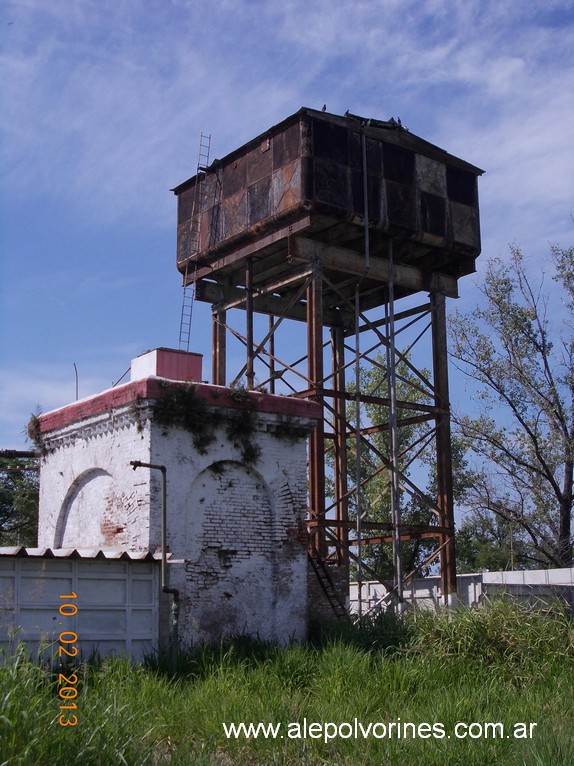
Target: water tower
347, 234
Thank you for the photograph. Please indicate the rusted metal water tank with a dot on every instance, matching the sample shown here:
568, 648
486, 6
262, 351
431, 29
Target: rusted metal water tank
312, 175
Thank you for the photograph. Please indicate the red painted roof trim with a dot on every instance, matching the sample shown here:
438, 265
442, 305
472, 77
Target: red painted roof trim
155, 388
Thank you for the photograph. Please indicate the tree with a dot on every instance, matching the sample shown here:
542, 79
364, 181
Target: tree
485, 542
19, 490
522, 436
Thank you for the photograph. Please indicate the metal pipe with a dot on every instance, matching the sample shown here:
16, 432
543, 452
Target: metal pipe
393, 434
175, 607
77, 384
250, 374
271, 334
358, 483
12, 454
365, 200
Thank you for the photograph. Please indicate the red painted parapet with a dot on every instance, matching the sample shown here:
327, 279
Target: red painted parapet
154, 388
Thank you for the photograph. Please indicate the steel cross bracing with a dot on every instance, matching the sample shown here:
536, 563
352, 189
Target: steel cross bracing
384, 445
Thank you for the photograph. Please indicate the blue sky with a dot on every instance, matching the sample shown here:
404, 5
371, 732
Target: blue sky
102, 105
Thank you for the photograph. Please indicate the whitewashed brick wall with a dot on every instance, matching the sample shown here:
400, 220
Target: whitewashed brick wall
89, 495
238, 556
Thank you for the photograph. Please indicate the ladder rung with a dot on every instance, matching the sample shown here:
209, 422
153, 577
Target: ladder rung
194, 237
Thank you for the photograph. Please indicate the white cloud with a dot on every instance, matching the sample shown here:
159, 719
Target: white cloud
104, 100
107, 105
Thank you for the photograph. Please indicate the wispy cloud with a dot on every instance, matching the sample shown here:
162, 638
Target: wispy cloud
100, 102
103, 102
37, 388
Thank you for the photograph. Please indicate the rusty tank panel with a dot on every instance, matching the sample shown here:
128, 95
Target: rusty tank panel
306, 176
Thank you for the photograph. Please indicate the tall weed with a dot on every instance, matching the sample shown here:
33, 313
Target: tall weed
499, 663
498, 631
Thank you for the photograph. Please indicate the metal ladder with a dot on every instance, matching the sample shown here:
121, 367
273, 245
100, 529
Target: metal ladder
197, 210
326, 582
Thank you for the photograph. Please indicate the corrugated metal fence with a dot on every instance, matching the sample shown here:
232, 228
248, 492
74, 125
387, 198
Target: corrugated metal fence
116, 601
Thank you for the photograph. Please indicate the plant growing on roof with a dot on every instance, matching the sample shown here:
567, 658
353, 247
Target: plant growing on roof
34, 433
240, 428
136, 410
183, 407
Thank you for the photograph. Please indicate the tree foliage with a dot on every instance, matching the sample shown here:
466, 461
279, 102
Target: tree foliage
19, 489
519, 347
486, 542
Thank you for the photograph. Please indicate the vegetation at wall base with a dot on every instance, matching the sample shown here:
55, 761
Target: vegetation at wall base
500, 663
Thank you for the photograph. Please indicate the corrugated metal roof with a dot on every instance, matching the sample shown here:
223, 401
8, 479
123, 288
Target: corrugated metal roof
81, 553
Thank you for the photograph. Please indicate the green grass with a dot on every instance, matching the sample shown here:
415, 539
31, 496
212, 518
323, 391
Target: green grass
500, 663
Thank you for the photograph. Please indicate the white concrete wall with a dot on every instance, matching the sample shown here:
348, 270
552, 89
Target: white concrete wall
533, 586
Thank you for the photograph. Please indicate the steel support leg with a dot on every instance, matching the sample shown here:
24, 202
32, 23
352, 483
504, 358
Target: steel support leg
443, 445
218, 347
250, 373
316, 376
341, 483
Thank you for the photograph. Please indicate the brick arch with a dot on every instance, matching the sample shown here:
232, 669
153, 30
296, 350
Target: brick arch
81, 509
230, 561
